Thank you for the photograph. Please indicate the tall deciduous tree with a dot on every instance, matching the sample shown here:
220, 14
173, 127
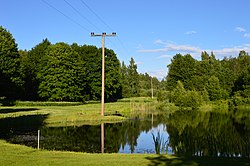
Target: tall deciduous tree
182, 68
91, 58
113, 87
10, 77
31, 65
62, 78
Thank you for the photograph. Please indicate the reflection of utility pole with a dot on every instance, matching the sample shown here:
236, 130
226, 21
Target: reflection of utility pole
102, 137
103, 62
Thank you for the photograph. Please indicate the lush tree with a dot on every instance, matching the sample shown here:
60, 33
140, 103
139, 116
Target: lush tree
133, 78
184, 99
91, 58
31, 65
193, 99
125, 83
182, 68
113, 86
10, 77
213, 88
178, 95
62, 78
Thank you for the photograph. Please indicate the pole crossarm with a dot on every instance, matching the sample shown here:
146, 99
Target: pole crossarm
104, 34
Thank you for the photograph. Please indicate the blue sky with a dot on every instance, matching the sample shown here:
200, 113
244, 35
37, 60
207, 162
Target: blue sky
150, 31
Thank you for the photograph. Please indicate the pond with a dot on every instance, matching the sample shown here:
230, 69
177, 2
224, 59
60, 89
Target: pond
194, 133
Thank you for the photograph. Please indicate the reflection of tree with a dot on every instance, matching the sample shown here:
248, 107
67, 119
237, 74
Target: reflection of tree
13, 128
208, 134
87, 138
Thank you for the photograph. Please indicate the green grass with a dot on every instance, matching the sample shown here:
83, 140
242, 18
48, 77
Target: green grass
20, 155
71, 114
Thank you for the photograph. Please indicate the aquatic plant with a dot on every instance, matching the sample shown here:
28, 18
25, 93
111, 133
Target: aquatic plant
158, 142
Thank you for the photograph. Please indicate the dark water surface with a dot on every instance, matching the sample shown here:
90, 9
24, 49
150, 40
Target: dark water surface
183, 132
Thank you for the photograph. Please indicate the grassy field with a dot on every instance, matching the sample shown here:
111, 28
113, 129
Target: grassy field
20, 155
79, 114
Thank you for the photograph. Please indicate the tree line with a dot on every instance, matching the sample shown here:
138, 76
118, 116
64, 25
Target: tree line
63, 72
191, 81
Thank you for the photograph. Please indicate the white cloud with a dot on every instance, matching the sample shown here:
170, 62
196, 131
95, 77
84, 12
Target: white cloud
165, 56
139, 63
247, 35
240, 29
171, 48
160, 74
231, 50
190, 32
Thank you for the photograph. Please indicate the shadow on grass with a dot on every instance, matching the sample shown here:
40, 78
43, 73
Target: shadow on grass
194, 161
12, 110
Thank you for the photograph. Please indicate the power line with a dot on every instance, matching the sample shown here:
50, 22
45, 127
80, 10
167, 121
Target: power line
118, 38
77, 23
96, 15
77, 11
69, 18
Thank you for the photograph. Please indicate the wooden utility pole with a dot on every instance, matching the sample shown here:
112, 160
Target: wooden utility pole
152, 89
103, 35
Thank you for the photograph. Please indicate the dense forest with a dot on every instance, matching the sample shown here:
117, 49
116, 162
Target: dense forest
63, 72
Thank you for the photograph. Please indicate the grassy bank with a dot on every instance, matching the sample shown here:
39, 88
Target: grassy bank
20, 155
64, 114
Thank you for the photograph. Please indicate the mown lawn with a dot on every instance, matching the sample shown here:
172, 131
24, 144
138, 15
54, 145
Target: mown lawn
79, 114
20, 155
13, 155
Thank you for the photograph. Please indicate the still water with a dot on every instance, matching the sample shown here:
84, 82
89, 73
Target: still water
193, 133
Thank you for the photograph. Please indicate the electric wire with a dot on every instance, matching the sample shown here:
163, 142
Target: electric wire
118, 38
77, 11
92, 11
69, 18
77, 23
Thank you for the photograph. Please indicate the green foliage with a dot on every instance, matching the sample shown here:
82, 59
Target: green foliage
135, 84
162, 95
214, 89
133, 78
10, 77
184, 99
182, 68
62, 77
159, 143
193, 99
113, 82
217, 78
31, 64
62, 72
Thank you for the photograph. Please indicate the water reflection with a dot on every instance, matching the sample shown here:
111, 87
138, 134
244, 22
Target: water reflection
209, 134
187, 132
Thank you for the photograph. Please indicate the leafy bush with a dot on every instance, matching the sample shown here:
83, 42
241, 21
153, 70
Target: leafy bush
162, 96
183, 99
